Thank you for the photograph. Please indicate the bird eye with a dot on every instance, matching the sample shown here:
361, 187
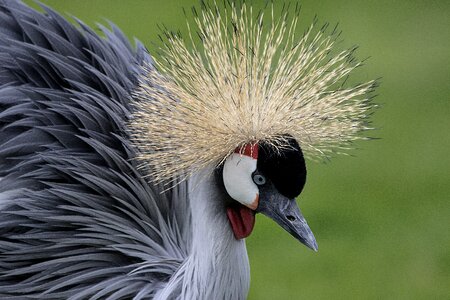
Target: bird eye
259, 179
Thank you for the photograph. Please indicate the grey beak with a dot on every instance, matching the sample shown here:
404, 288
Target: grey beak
287, 214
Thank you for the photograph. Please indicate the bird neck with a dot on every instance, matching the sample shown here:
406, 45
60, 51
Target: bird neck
218, 262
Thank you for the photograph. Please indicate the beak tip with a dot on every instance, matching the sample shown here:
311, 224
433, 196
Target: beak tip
312, 244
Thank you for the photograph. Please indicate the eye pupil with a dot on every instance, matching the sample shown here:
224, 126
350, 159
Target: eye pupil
259, 179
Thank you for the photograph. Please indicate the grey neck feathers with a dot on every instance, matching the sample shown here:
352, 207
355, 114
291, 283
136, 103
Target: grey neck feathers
217, 267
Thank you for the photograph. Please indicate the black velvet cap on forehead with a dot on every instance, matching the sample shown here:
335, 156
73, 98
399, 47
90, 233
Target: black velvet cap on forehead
286, 169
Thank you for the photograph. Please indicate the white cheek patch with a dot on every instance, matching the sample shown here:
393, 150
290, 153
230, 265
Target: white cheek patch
237, 178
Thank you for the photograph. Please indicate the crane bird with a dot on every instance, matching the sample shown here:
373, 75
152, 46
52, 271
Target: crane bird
127, 177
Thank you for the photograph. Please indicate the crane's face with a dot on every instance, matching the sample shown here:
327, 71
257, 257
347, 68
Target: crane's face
263, 180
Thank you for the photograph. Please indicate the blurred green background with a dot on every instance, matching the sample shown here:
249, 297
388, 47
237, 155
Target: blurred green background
381, 218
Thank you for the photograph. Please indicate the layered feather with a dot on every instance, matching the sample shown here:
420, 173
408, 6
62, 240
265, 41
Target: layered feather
77, 220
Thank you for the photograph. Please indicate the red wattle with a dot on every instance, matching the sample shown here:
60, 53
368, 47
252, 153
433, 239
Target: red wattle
242, 220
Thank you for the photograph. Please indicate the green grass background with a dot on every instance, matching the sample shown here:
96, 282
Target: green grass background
381, 218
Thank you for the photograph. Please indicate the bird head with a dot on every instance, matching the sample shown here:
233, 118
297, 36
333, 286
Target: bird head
263, 179
246, 93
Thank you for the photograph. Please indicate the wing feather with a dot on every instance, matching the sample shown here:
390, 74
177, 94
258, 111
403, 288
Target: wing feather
77, 219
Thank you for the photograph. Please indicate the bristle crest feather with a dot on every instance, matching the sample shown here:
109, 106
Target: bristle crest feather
242, 81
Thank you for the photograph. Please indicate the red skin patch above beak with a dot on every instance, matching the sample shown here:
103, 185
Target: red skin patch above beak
250, 150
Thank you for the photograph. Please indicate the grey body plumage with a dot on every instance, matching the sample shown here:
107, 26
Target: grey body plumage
78, 220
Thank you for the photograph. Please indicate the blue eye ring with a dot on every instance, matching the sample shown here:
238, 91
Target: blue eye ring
259, 179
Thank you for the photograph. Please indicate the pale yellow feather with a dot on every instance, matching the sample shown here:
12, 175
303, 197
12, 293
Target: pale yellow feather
245, 82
